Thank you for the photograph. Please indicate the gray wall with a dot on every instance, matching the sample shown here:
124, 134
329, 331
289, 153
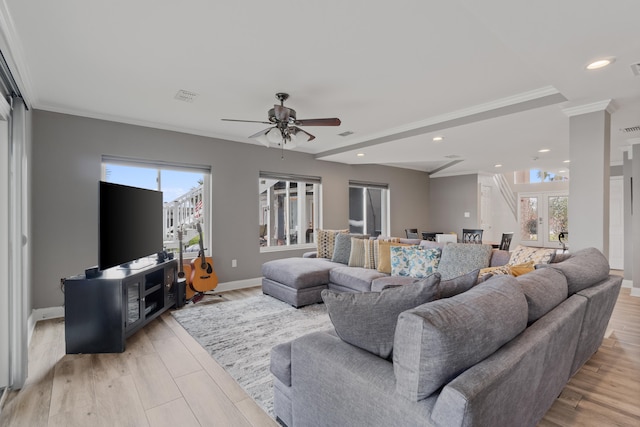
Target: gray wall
67, 153
449, 198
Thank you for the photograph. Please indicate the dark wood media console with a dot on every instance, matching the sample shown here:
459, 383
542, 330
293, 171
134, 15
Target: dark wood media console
101, 312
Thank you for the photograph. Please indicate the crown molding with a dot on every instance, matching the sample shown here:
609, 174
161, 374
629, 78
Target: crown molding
606, 105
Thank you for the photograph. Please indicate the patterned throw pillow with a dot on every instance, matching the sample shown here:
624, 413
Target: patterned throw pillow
399, 261
326, 242
523, 254
460, 258
424, 263
384, 255
357, 255
370, 260
502, 269
414, 261
514, 270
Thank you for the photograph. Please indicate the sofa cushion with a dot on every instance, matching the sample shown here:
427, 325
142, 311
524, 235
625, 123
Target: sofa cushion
522, 254
326, 242
544, 289
583, 269
368, 320
299, 273
388, 281
458, 285
437, 341
342, 247
460, 258
356, 278
414, 261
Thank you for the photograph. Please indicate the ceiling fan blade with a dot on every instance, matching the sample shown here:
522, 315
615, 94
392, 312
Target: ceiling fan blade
282, 113
245, 121
262, 132
297, 132
318, 122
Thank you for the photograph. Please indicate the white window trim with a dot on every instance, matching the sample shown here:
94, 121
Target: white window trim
156, 164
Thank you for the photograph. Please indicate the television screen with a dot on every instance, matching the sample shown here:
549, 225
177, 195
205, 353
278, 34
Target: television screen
130, 224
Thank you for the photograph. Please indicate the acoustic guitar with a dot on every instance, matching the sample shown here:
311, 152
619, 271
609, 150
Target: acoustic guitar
203, 277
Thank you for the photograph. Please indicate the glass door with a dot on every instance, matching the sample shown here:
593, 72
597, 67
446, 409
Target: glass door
542, 217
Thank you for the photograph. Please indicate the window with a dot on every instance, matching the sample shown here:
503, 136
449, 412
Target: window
368, 208
289, 210
536, 176
185, 192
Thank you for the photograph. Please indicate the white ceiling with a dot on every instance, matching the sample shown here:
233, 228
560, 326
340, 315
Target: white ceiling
492, 77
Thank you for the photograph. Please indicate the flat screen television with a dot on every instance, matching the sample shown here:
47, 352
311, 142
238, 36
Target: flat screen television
130, 225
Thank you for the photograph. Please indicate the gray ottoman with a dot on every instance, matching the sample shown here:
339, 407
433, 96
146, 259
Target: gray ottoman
297, 281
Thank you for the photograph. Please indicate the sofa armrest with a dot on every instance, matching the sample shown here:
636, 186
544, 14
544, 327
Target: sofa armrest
335, 383
601, 300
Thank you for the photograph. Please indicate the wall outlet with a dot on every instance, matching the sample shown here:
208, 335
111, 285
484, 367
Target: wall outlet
234, 263
467, 214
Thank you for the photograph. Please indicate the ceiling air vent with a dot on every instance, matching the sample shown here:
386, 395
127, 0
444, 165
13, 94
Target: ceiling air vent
185, 95
636, 68
632, 129
347, 133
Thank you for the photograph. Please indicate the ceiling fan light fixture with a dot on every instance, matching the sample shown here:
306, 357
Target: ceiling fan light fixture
274, 136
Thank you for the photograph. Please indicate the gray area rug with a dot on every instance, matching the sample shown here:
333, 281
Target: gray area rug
240, 334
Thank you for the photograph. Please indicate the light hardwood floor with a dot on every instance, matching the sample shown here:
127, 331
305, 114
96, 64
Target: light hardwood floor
164, 378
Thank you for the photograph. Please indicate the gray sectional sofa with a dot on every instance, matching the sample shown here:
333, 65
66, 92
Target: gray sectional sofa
498, 354
300, 281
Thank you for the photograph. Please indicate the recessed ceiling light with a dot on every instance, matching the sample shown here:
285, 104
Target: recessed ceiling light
600, 63
567, 161
360, 154
497, 166
438, 138
544, 150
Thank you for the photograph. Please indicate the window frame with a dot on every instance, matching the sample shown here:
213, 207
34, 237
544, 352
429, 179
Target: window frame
301, 216
385, 197
159, 166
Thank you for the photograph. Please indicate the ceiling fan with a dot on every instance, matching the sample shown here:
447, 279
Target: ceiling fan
285, 131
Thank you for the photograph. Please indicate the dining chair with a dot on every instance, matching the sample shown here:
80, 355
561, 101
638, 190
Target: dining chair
429, 236
470, 235
505, 242
412, 233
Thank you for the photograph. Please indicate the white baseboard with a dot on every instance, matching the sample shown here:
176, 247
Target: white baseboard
627, 283
38, 314
635, 292
238, 284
